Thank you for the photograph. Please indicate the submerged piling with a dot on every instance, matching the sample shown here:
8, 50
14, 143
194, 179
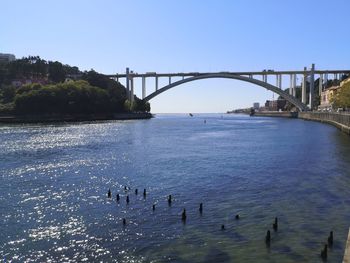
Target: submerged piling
268, 237
324, 252
169, 199
183, 215
275, 225
330, 239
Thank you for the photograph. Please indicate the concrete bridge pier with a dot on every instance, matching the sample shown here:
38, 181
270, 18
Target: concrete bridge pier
264, 78
303, 87
320, 84
280, 82
156, 83
127, 78
132, 90
294, 84
291, 84
143, 87
312, 86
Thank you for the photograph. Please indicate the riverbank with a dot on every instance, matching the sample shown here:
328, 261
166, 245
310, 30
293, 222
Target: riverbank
283, 114
72, 118
339, 120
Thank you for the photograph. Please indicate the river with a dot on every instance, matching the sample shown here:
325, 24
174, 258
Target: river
55, 178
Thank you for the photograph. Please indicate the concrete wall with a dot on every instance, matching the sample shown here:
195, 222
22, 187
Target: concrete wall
285, 114
340, 120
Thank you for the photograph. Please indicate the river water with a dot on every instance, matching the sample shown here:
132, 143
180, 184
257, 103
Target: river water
55, 178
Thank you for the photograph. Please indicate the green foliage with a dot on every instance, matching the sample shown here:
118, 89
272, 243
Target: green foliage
35, 67
67, 98
127, 105
140, 105
56, 72
116, 91
7, 93
342, 97
7, 108
97, 94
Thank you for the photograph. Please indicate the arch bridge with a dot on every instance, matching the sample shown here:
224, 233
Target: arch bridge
259, 78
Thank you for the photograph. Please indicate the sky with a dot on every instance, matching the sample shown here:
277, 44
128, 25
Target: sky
183, 36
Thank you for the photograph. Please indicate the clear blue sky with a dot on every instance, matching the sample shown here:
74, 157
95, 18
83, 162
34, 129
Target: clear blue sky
183, 35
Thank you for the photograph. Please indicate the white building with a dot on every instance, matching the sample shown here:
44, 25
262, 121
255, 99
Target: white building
6, 57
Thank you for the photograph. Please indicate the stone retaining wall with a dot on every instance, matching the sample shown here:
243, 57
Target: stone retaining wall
340, 120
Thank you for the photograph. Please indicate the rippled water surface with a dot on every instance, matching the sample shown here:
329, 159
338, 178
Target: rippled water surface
55, 178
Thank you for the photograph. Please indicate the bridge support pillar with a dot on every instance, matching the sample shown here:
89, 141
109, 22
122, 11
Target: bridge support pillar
291, 84
279, 81
169, 80
132, 91
320, 84
264, 78
143, 87
156, 83
303, 87
294, 85
127, 84
312, 87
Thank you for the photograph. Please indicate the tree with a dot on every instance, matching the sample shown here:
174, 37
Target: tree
341, 99
7, 93
65, 98
56, 72
117, 91
98, 93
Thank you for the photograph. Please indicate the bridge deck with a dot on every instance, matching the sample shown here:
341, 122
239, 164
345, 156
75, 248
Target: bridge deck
257, 73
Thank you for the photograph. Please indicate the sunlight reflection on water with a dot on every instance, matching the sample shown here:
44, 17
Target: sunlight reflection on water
55, 179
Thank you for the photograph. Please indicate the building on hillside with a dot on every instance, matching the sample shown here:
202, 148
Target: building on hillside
275, 105
326, 95
20, 82
256, 105
73, 77
5, 58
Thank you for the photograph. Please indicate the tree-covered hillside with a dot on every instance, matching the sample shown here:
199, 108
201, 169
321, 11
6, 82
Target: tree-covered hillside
56, 88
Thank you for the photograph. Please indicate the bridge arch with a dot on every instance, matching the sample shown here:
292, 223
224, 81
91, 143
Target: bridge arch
301, 106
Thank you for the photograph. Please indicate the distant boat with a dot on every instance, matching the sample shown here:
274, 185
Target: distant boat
191, 114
